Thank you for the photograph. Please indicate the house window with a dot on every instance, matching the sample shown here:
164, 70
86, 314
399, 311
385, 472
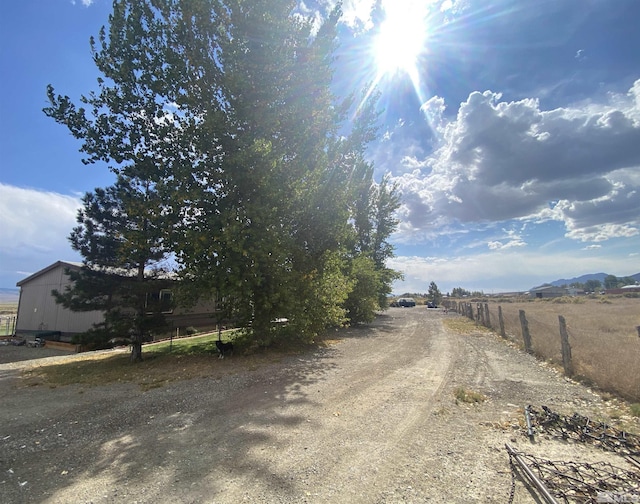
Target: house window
160, 301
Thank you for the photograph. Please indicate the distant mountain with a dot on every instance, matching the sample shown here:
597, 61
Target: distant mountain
584, 278
9, 295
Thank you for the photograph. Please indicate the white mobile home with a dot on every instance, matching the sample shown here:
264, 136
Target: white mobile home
38, 310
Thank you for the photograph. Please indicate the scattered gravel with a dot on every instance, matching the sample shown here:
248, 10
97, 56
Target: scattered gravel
370, 418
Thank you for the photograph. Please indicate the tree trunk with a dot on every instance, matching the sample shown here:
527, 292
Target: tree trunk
136, 350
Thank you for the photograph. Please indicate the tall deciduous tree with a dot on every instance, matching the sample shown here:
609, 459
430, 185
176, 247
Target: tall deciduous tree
611, 282
374, 222
224, 110
280, 226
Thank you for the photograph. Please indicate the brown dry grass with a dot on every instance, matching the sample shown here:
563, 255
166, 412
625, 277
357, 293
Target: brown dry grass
164, 362
9, 308
604, 341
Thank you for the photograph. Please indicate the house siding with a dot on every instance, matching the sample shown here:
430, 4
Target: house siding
38, 310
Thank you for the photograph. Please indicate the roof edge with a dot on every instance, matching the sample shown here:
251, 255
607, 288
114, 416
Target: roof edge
66, 264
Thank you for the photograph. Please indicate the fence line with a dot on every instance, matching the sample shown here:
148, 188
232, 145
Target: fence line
7, 325
595, 353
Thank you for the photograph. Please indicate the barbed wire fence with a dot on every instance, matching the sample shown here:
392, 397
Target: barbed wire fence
568, 344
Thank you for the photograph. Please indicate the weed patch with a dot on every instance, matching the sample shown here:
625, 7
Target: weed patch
463, 325
468, 396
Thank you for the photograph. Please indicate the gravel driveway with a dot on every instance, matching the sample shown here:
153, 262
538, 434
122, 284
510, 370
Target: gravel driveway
369, 419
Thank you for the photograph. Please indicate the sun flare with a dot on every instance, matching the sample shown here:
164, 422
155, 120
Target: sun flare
401, 38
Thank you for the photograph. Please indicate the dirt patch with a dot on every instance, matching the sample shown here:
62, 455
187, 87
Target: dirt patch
12, 353
371, 418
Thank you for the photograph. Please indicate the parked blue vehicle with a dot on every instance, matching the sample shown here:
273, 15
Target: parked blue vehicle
406, 302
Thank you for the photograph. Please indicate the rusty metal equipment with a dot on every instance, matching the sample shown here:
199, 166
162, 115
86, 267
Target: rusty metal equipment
577, 482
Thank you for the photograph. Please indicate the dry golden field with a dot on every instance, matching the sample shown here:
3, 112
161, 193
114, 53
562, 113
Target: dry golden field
603, 335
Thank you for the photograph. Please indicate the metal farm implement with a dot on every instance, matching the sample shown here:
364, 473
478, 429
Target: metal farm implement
578, 482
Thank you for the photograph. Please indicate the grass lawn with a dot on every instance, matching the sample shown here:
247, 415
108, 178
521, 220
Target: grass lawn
164, 362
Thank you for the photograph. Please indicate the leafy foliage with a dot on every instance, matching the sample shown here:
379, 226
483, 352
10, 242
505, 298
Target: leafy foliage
234, 158
434, 293
120, 238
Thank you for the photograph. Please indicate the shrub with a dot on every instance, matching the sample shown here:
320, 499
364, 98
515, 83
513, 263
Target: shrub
468, 396
568, 300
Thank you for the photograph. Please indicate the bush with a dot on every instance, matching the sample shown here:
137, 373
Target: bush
568, 300
468, 396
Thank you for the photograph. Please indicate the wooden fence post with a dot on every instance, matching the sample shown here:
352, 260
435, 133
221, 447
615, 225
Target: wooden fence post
566, 348
525, 332
487, 316
501, 322
470, 311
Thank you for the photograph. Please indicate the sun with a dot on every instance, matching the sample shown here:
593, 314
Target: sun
401, 39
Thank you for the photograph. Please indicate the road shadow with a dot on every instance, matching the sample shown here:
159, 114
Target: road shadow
184, 439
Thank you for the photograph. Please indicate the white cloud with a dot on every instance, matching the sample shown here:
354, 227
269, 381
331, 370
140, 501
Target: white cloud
497, 271
509, 239
35, 227
499, 161
498, 245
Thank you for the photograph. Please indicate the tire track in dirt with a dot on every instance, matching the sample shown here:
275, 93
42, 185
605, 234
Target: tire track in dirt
402, 382
369, 419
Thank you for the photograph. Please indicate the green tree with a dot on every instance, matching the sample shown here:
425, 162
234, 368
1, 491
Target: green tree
459, 292
363, 300
434, 293
374, 221
610, 282
120, 237
129, 125
278, 224
592, 285
224, 110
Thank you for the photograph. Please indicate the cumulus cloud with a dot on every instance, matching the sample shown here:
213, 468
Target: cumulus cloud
496, 271
507, 244
499, 161
35, 227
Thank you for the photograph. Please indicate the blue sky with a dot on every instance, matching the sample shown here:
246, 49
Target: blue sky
511, 127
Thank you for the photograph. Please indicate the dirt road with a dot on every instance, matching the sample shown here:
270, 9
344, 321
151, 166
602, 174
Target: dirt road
369, 419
